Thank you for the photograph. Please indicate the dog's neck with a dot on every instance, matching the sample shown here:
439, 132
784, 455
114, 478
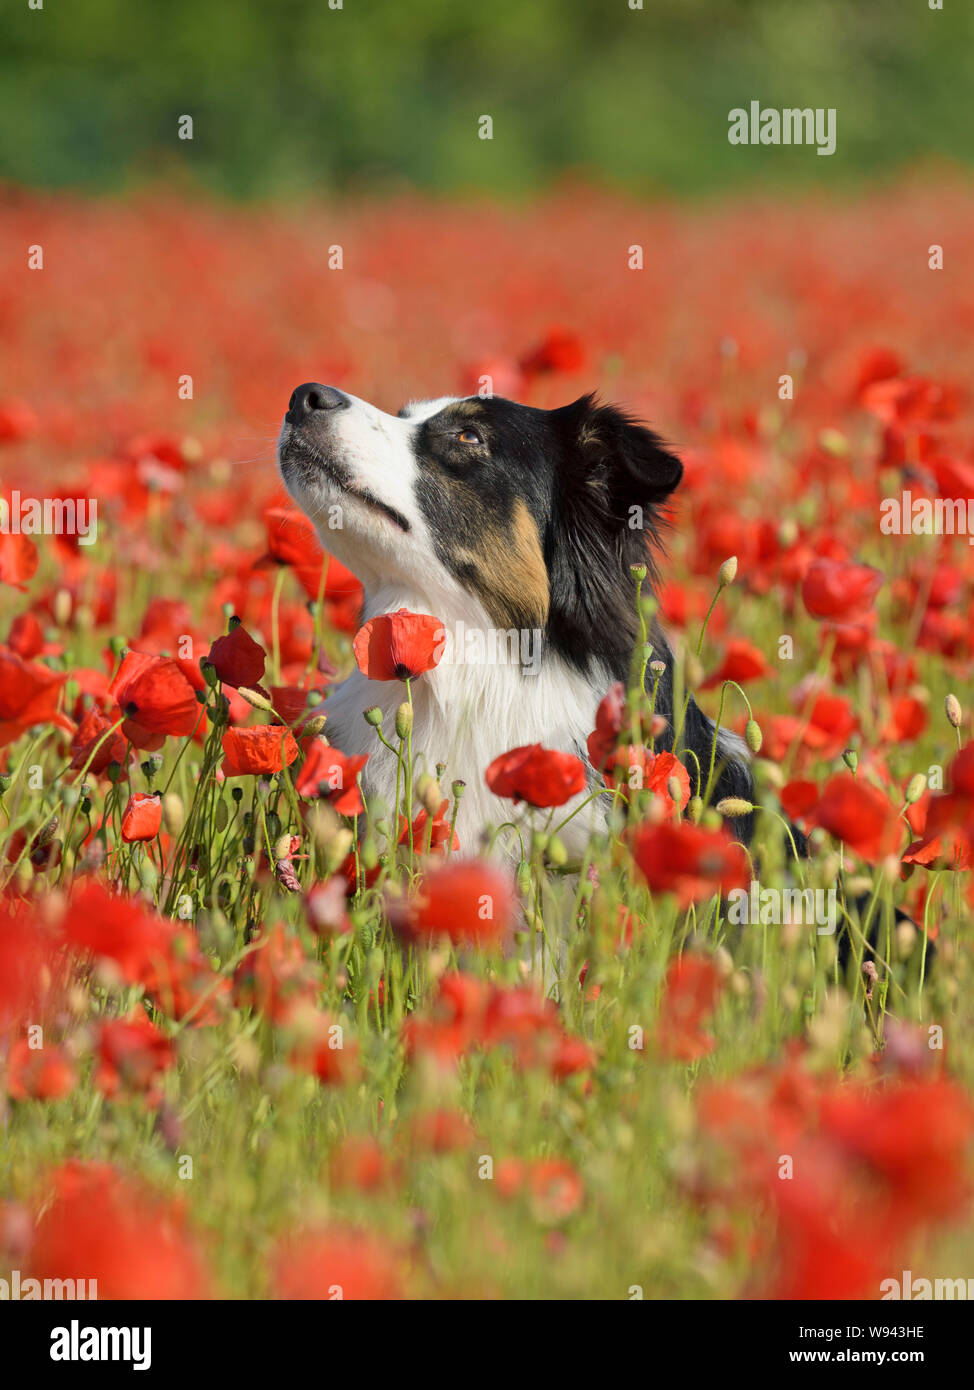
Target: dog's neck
476, 704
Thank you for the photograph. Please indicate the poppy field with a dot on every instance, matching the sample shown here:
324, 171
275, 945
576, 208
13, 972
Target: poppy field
262, 1038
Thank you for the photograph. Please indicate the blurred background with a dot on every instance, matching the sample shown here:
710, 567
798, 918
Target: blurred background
294, 97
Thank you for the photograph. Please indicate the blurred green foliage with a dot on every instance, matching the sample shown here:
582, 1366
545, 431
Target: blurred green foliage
293, 96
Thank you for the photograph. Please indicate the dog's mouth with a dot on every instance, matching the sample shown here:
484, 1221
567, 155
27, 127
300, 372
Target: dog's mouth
294, 449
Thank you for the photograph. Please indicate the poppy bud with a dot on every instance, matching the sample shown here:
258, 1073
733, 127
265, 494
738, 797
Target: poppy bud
524, 876
768, 774
954, 711
695, 809
851, 759
62, 607
314, 725
675, 789
429, 793
173, 813
255, 698
282, 849
906, 935
208, 672
735, 806
339, 847
833, 442
727, 572
556, 853
753, 736
373, 716
404, 720
787, 532
915, 788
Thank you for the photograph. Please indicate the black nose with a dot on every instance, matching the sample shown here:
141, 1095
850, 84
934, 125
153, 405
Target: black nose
312, 396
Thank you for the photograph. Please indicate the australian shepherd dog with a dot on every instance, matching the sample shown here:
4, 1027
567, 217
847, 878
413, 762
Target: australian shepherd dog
516, 527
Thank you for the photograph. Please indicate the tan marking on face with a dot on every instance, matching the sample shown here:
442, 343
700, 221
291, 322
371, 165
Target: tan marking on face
510, 574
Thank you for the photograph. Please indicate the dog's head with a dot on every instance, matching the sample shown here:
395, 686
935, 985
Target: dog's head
537, 514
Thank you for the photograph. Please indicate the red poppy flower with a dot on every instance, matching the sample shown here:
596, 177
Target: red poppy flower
689, 998
742, 662
688, 861
132, 1055
540, 776
117, 1233
437, 833
947, 836
17, 421
798, 798
291, 702
858, 814
321, 1048
608, 725
908, 719
28, 695
466, 900
440, 1132
116, 928
336, 1261
553, 1186
637, 769
559, 351
277, 978
293, 541
156, 699
840, 591
18, 559
913, 1136
26, 636
399, 646
91, 740
258, 752
329, 774
238, 659
45, 1073
142, 817
359, 1161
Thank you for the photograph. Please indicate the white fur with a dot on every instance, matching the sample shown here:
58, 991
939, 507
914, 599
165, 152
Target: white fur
464, 715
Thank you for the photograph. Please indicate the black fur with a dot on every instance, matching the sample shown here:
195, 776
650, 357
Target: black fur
596, 483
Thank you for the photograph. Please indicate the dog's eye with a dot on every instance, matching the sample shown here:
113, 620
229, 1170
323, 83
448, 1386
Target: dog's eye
469, 437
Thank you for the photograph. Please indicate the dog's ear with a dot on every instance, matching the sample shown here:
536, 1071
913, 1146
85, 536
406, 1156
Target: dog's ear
614, 456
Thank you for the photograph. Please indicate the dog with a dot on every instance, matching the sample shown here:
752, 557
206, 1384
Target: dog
496, 518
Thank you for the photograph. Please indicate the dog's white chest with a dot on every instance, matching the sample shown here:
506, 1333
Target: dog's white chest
465, 716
